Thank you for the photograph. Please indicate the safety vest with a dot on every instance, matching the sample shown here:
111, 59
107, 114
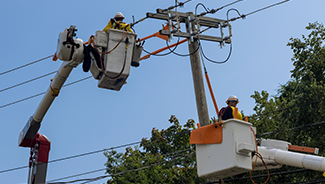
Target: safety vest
228, 115
112, 24
117, 25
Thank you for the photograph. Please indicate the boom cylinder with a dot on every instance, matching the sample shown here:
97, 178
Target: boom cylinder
31, 128
278, 157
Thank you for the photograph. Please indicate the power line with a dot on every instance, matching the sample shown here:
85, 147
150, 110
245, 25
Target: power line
98, 170
81, 174
75, 156
320, 180
21, 100
291, 107
169, 8
261, 9
207, 10
189, 54
120, 173
295, 128
260, 176
5, 89
270, 6
177, 5
217, 62
33, 96
25, 65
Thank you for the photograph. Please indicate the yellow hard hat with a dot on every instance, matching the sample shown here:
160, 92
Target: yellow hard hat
119, 15
232, 97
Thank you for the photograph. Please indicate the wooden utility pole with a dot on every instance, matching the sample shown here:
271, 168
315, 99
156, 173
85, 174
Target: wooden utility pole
193, 46
201, 102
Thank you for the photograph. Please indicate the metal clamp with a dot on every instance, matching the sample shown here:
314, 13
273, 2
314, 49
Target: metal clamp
190, 27
170, 25
222, 43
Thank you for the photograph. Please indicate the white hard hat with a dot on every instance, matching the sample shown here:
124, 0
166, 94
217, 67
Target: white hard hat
232, 97
119, 15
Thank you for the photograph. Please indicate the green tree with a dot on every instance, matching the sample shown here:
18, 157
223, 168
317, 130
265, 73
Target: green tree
299, 103
167, 157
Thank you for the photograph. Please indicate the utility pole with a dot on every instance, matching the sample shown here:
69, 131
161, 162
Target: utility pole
201, 102
193, 45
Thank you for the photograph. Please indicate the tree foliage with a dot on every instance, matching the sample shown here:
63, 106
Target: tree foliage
286, 116
299, 102
167, 157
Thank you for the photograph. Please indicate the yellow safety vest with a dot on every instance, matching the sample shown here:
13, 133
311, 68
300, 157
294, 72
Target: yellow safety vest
122, 26
239, 116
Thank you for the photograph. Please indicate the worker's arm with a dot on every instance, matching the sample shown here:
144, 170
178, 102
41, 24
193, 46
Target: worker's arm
108, 26
126, 27
227, 113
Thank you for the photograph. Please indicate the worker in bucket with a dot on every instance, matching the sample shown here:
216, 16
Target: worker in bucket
117, 23
228, 112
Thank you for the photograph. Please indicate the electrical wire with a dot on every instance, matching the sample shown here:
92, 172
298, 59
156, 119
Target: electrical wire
33, 96
76, 175
98, 170
8, 71
267, 7
88, 153
140, 20
171, 51
217, 62
230, 49
291, 107
75, 156
200, 45
5, 89
164, 54
185, 55
123, 172
212, 11
182, 55
261, 9
319, 180
291, 129
261, 176
197, 5
177, 5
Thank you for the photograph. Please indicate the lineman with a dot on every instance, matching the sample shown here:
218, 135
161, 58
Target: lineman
117, 23
228, 112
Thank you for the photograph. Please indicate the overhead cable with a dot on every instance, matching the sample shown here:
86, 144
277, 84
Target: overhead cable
5, 89
291, 107
98, 170
189, 54
217, 62
25, 65
245, 15
75, 156
319, 180
291, 129
123, 172
30, 97
267, 7
179, 4
212, 11
261, 176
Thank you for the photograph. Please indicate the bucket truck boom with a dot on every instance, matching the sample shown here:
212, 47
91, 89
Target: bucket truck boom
111, 72
225, 149
70, 51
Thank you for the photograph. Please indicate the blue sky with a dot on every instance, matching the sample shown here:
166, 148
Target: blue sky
85, 118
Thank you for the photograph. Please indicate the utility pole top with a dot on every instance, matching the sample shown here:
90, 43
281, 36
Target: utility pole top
181, 17
193, 34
